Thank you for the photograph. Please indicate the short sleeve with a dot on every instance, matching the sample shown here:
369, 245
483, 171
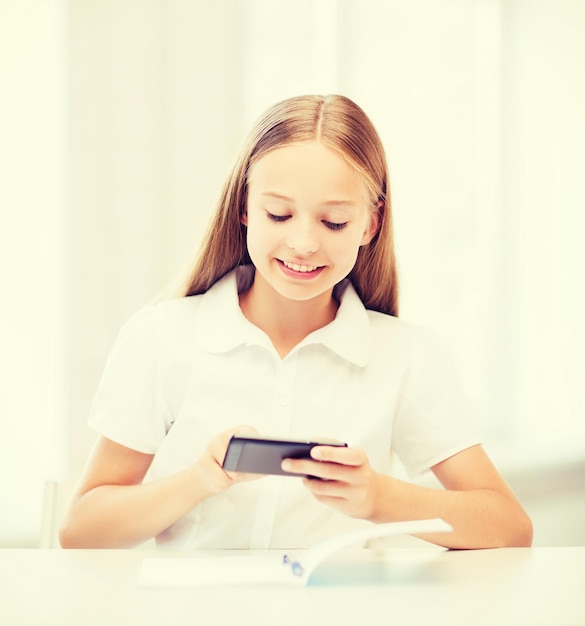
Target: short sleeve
126, 407
435, 418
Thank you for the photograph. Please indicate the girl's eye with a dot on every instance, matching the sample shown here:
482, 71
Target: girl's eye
284, 218
277, 218
334, 225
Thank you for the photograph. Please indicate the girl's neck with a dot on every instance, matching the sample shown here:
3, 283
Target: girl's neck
286, 322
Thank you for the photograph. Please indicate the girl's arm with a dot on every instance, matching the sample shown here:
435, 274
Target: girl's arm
111, 508
476, 500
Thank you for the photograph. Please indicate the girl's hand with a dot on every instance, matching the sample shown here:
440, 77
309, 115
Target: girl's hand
348, 483
208, 469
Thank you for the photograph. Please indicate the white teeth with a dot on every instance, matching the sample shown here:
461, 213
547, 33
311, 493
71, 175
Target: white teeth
301, 268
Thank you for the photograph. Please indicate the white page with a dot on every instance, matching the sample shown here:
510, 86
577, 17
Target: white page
247, 568
217, 570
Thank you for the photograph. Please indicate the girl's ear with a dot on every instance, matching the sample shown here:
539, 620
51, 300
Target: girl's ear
373, 224
244, 218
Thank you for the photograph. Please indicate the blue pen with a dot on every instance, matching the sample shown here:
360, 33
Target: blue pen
296, 568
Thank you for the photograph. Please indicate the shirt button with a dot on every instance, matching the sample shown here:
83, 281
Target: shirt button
284, 402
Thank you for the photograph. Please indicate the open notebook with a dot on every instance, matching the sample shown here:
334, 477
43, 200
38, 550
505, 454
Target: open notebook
270, 568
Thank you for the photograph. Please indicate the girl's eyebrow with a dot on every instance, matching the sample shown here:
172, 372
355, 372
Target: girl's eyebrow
340, 203
278, 196
328, 203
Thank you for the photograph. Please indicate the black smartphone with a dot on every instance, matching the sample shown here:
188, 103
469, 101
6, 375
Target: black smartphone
263, 455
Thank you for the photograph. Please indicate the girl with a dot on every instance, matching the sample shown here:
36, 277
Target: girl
288, 327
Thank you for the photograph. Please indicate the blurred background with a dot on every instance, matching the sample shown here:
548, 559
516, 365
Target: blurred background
119, 120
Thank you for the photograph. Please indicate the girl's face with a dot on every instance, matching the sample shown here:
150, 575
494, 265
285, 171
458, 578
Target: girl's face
307, 215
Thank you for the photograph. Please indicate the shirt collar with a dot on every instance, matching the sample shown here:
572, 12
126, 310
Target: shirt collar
348, 335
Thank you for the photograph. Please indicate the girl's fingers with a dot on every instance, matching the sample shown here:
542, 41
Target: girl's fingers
218, 445
338, 454
330, 463
329, 488
326, 471
322, 470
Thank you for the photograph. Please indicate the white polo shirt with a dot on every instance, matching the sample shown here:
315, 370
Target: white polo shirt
182, 371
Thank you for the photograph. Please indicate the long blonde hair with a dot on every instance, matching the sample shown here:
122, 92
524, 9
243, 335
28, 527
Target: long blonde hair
341, 125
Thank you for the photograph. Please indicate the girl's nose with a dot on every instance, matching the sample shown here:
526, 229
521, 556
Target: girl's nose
302, 241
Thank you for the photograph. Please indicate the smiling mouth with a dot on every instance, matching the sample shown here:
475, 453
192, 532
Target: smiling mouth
303, 269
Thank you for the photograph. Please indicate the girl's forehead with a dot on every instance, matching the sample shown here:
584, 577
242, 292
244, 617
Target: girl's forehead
303, 149
304, 163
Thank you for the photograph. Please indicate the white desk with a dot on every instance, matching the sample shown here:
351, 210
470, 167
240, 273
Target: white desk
539, 586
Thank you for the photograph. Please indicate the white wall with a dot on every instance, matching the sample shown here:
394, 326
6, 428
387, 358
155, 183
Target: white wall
123, 116
544, 218
33, 243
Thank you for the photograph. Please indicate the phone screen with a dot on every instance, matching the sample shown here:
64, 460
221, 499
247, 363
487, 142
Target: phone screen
262, 455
